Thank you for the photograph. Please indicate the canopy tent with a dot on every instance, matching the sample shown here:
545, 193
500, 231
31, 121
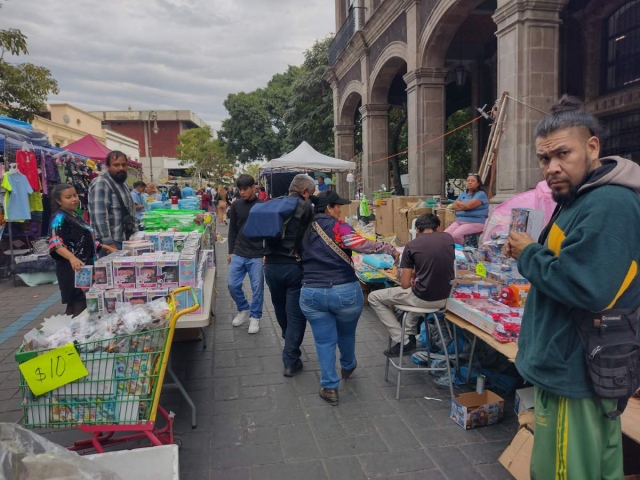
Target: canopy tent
21, 131
92, 148
305, 158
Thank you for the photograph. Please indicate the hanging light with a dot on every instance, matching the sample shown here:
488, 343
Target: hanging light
155, 127
460, 74
350, 178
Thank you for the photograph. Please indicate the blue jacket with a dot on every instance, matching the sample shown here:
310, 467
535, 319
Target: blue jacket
188, 192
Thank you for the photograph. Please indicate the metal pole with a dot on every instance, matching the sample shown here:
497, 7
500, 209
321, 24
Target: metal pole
150, 150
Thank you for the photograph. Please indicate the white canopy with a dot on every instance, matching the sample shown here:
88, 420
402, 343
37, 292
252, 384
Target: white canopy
306, 158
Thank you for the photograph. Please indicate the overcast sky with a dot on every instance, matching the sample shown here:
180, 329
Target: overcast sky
165, 54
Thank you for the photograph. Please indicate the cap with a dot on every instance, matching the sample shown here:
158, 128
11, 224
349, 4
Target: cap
331, 198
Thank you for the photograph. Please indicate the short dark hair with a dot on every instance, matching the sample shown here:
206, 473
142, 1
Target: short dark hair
56, 194
114, 155
139, 184
428, 221
567, 113
245, 181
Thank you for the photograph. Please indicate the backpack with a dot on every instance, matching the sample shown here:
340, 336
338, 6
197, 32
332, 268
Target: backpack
269, 220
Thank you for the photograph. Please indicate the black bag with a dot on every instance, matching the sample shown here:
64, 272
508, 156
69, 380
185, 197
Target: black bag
612, 353
129, 223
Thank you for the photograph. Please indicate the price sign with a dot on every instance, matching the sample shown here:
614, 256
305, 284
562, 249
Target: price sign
53, 369
481, 271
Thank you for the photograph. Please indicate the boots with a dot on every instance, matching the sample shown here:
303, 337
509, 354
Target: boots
329, 395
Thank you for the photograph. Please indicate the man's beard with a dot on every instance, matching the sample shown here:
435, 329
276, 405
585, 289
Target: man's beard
567, 197
119, 177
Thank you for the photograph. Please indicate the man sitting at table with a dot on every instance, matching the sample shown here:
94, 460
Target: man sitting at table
426, 272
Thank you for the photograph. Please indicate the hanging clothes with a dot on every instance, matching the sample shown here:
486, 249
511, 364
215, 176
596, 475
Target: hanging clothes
16, 200
28, 166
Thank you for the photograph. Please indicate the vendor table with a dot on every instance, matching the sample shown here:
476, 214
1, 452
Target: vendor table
195, 321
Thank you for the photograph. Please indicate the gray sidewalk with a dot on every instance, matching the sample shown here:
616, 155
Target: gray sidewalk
254, 423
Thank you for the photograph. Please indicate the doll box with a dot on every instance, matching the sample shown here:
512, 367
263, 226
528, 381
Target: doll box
154, 293
168, 270
111, 297
124, 272
179, 240
154, 238
84, 277
147, 271
166, 241
95, 301
187, 270
103, 273
135, 296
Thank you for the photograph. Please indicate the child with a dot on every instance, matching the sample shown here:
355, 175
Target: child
72, 245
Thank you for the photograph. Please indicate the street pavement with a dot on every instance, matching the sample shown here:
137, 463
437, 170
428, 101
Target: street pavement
256, 424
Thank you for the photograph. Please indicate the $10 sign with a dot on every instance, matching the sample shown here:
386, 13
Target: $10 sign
53, 369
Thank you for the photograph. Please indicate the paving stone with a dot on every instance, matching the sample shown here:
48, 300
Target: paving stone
494, 471
241, 473
275, 417
225, 360
413, 414
298, 443
396, 462
344, 468
254, 392
246, 456
395, 433
324, 422
241, 405
448, 458
195, 453
311, 470
360, 426
260, 352
468, 473
261, 379
261, 435
448, 436
340, 447
487, 452
434, 474
236, 371
284, 397
365, 410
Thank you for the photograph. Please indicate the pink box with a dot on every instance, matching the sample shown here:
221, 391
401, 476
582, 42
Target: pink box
124, 272
168, 270
135, 296
147, 271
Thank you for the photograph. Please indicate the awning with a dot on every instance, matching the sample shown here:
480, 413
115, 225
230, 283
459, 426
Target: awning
174, 164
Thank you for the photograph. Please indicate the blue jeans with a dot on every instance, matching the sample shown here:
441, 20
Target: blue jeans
333, 314
239, 267
285, 282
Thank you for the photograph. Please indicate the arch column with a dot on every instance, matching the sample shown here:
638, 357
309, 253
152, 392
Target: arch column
345, 146
528, 68
426, 110
375, 146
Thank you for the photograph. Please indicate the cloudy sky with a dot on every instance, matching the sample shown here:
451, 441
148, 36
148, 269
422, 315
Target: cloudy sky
165, 54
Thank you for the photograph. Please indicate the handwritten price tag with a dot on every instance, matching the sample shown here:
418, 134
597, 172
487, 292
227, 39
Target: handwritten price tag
53, 369
481, 271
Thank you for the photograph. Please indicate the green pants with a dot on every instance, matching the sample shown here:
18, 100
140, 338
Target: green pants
573, 440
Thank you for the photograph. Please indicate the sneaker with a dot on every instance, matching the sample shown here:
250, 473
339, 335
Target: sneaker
241, 317
329, 395
408, 349
254, 325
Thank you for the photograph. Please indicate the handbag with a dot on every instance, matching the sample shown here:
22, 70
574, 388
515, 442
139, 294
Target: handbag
332, 245
128, 221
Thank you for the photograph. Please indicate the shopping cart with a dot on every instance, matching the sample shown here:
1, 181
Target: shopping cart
121, 393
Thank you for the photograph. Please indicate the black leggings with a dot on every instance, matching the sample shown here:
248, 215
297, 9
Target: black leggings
76, 308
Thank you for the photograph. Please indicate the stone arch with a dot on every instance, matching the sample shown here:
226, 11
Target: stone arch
349, 100
442, 25
385, 69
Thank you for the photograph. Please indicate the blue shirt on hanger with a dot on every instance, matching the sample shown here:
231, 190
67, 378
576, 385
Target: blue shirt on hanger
17, 199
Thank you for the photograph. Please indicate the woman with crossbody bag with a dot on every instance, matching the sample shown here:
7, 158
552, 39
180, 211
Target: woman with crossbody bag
331, 298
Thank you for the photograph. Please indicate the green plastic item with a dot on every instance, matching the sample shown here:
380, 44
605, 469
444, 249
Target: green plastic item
364, 207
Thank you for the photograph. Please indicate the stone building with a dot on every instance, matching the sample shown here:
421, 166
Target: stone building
438, 56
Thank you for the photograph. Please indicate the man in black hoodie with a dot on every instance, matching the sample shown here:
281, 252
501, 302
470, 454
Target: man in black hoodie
245, 257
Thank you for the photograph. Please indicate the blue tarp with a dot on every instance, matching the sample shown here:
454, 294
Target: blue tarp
15, 123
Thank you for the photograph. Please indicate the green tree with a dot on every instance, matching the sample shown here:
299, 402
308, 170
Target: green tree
398, 142
24, 87
458, 148
310, 112
207, 156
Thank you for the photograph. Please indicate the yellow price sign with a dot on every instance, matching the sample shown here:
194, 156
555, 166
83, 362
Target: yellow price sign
53, 369
481, 271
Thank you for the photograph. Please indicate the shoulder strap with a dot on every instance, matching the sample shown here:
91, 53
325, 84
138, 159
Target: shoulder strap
123, 206
332, 245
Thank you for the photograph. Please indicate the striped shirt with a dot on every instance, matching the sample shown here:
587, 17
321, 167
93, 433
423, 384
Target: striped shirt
104, 208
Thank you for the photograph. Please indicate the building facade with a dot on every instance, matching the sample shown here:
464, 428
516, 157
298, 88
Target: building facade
434, 57
64, 124
156, 132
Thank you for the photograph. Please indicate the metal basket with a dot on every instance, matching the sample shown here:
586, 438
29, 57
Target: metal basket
41, 247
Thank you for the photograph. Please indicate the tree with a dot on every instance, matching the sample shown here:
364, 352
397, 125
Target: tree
207, 156
310, 112
398, 142
458, 148
24, 87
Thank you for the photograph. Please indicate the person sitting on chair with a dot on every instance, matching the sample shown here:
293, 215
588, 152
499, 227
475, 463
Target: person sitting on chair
472, 208
427, 272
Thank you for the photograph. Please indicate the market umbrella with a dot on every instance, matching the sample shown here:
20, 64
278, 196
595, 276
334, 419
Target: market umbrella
88, 146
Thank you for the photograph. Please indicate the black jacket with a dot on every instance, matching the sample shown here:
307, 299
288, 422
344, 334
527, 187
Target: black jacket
287, 249
238, 243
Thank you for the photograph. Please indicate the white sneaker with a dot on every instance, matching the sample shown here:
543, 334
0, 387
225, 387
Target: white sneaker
241, 317
254, 325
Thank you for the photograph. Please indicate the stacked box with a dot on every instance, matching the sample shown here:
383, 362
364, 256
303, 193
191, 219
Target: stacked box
124, 272
154, 293
179, 240
166, 241
168, 270
111, 297
147, 271
209, 258
198, 292
154, 238
103, 272
135, 296
84, 277
187, 270
95, 301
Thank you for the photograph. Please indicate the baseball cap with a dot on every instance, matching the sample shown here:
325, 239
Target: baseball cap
330, 198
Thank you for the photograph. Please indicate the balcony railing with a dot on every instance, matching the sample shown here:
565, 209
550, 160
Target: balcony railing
353, 23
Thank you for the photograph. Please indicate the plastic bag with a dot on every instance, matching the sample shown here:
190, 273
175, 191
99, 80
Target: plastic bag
26, 455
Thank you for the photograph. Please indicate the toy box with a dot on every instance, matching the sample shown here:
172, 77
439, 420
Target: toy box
471, 410
135, 296
137, 247
210, 259
154, 293
84, 278
198, 292
95, 301
166, 241
103, 272
527, 220
168, 270
476, 312
182, 300
179, 240
187, 270
111, 297
124, 272
154, 238
525, 400
147, 271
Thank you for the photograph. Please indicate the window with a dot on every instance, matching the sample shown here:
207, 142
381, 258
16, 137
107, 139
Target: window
624, 139
622, 65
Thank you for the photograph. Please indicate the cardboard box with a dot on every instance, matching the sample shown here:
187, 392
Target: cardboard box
168, 270
517, 456
471, 410
525, 400
384, 217
441, 212
404, 220
449, 217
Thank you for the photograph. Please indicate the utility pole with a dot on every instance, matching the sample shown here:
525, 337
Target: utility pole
152, 116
